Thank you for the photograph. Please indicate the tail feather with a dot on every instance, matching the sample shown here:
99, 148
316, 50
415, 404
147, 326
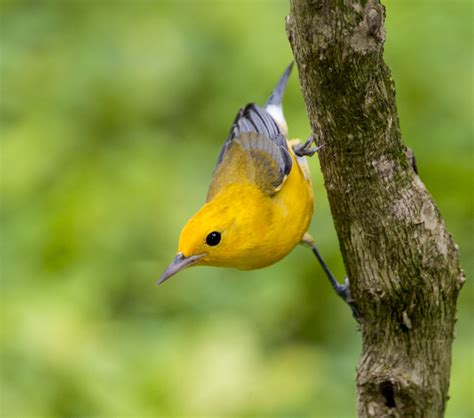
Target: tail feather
277, 95
274, 102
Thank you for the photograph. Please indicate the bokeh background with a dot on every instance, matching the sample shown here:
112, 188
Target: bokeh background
112, 116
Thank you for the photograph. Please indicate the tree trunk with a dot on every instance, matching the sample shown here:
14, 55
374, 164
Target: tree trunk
402, 263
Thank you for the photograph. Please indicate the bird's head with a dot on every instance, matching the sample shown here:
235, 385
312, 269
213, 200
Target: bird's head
222, 234
204, 240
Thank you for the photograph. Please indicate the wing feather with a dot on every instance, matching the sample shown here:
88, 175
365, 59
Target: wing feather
255, 151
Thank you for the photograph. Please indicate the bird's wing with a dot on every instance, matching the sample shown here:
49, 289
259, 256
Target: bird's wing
255, 151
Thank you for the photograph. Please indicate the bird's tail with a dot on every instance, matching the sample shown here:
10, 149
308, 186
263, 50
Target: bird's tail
274, 103
277, 95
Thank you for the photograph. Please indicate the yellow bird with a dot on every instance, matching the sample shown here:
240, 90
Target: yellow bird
260, 200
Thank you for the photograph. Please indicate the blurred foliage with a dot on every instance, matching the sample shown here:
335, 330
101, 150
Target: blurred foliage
112, 115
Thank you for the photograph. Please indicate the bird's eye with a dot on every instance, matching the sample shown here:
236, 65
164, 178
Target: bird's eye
213, 238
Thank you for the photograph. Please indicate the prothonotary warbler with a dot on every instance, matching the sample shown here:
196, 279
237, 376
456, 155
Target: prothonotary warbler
260, 200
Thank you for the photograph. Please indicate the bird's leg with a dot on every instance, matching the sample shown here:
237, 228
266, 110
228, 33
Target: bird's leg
343, 290
305, 149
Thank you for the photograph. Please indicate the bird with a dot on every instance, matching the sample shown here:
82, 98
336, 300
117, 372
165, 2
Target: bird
260, 199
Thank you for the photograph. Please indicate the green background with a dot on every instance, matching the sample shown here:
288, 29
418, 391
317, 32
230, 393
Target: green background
112, 116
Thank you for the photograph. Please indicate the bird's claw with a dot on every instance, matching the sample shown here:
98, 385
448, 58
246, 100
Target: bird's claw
344, 291
305, 149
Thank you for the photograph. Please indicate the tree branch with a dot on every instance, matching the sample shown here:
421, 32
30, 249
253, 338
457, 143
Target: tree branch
402, 263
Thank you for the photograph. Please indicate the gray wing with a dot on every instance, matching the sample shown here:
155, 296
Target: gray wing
256, 134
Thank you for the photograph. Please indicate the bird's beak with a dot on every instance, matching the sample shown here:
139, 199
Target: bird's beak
178, 264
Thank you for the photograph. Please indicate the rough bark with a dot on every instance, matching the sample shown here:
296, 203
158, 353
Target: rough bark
402, 263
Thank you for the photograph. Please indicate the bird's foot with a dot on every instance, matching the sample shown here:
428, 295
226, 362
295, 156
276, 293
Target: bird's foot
343, 290
305, 149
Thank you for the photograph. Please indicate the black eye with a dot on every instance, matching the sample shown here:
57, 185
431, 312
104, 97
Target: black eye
213, 238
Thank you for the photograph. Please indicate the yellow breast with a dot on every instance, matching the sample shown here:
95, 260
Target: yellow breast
257, 229
292, 210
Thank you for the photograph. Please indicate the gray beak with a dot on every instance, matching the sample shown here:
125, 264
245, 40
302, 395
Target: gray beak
178, 264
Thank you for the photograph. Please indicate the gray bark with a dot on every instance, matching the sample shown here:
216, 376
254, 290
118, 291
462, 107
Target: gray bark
402, 263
